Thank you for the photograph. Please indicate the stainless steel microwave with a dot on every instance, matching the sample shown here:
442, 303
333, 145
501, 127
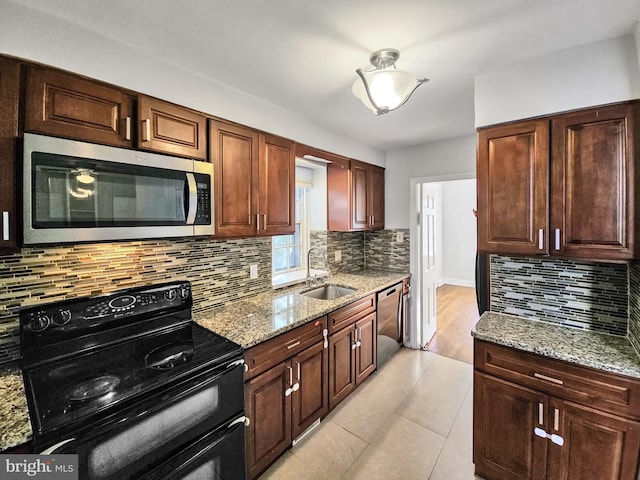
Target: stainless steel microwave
81, 192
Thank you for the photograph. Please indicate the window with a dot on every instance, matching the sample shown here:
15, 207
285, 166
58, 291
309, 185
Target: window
288, 251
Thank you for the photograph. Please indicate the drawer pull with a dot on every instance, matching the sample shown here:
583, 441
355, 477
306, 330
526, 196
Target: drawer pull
548, 379
540, 413
295, 344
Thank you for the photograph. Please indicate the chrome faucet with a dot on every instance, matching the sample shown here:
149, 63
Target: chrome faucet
314, 280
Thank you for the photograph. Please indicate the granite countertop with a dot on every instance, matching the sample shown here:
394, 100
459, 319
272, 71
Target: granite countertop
254, 320
605, 352
15, 427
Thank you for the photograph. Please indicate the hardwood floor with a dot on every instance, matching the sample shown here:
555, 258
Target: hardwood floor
457, 314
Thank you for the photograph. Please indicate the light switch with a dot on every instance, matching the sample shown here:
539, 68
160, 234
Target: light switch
253, 271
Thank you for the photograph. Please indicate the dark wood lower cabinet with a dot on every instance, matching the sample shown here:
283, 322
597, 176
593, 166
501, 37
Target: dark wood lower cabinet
342, 366
310, 401
269, 413
522, 433
366, 347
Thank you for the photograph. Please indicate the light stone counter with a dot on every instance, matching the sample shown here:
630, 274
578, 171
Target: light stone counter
610, 353
251, 321
15, 427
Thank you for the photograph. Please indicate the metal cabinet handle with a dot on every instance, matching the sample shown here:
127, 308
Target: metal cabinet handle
5, 226
548, 379
299, 372
265, 221
540, 413
258, 222
325, 334
290, 376
295, 344
127, 128
540, 239
146, 130
354, 345
556, 419
557, 239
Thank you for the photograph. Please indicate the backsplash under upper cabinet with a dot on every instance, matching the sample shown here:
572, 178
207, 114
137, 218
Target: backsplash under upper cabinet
217, 269
587, 295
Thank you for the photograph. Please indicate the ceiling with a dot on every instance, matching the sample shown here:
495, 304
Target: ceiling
302, 55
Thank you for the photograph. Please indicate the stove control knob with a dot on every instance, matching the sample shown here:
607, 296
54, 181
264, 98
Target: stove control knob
170, 295
39, 323
184, 292
61, 317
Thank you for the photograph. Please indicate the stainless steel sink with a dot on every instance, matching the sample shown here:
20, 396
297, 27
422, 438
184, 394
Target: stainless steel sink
328, 292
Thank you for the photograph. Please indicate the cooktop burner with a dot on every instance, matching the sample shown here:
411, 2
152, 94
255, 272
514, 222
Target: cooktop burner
169, 356
93, 388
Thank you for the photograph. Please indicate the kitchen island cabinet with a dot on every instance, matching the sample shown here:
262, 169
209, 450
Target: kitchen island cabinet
537, 417
9, 107
561, 185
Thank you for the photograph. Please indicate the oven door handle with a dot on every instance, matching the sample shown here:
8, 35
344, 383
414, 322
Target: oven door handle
53, 448
244, 420
236, 363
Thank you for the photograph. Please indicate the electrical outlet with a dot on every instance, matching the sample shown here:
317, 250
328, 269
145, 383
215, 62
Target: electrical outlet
399, 237
253, 271
338, 255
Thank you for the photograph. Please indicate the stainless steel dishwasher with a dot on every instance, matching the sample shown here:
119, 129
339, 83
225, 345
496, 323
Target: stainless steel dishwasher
389, 323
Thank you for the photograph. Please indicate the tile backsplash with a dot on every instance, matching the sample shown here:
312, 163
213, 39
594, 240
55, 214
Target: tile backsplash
217, 269
382, 251
587, 295
634, 306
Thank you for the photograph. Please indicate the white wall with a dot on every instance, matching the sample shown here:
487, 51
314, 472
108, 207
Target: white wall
447, 157
458, 232
593, 74
39, 37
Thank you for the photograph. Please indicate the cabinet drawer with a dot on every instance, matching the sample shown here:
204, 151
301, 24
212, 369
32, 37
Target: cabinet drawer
267, 354
349, 314
605, 391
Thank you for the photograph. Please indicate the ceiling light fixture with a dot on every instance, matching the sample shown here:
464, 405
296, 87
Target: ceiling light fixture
385, 88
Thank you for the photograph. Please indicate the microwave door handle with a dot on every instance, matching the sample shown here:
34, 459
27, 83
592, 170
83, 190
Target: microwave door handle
193, 198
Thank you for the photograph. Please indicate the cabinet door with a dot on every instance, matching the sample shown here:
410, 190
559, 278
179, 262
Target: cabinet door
269, 411
9, 93
310, 401
169, 128
504, 418
360, 210
595, 444
68, 106
592, 183
342, 368
277, 202
376, 197
234, 153
512, 188
366, 335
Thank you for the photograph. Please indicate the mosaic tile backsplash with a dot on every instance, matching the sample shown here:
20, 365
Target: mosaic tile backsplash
634, 306
350, 244
382, 251
217, 269
587, 295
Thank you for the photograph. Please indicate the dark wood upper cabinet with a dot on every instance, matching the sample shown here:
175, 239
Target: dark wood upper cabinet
277, 181
355, 196
66, 105
234, 153
255, 181
592, 183
168, 128
561, 185
512, 187
9, 93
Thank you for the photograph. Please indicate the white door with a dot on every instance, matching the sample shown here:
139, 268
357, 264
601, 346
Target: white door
428, 270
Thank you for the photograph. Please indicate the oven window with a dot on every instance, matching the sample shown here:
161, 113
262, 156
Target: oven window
151, 435
71, 192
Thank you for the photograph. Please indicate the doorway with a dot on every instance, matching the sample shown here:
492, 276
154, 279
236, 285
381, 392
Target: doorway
443, 245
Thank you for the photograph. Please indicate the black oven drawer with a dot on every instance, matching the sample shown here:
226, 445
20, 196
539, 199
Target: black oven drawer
160, 427
216, 456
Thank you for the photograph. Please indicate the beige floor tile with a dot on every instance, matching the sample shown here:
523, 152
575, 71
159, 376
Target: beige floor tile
434, 402
452, 369
407, 364
402, 450
462, 429
454, 463
330, 450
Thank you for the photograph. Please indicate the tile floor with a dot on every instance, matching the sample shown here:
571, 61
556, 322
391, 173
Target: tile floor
410, 420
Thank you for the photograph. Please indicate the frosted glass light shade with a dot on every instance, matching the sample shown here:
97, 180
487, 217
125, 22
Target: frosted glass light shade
389, 89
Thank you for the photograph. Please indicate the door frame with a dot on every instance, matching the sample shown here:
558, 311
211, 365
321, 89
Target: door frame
415, 242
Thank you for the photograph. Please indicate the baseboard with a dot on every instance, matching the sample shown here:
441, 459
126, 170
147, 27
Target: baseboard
458, 282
